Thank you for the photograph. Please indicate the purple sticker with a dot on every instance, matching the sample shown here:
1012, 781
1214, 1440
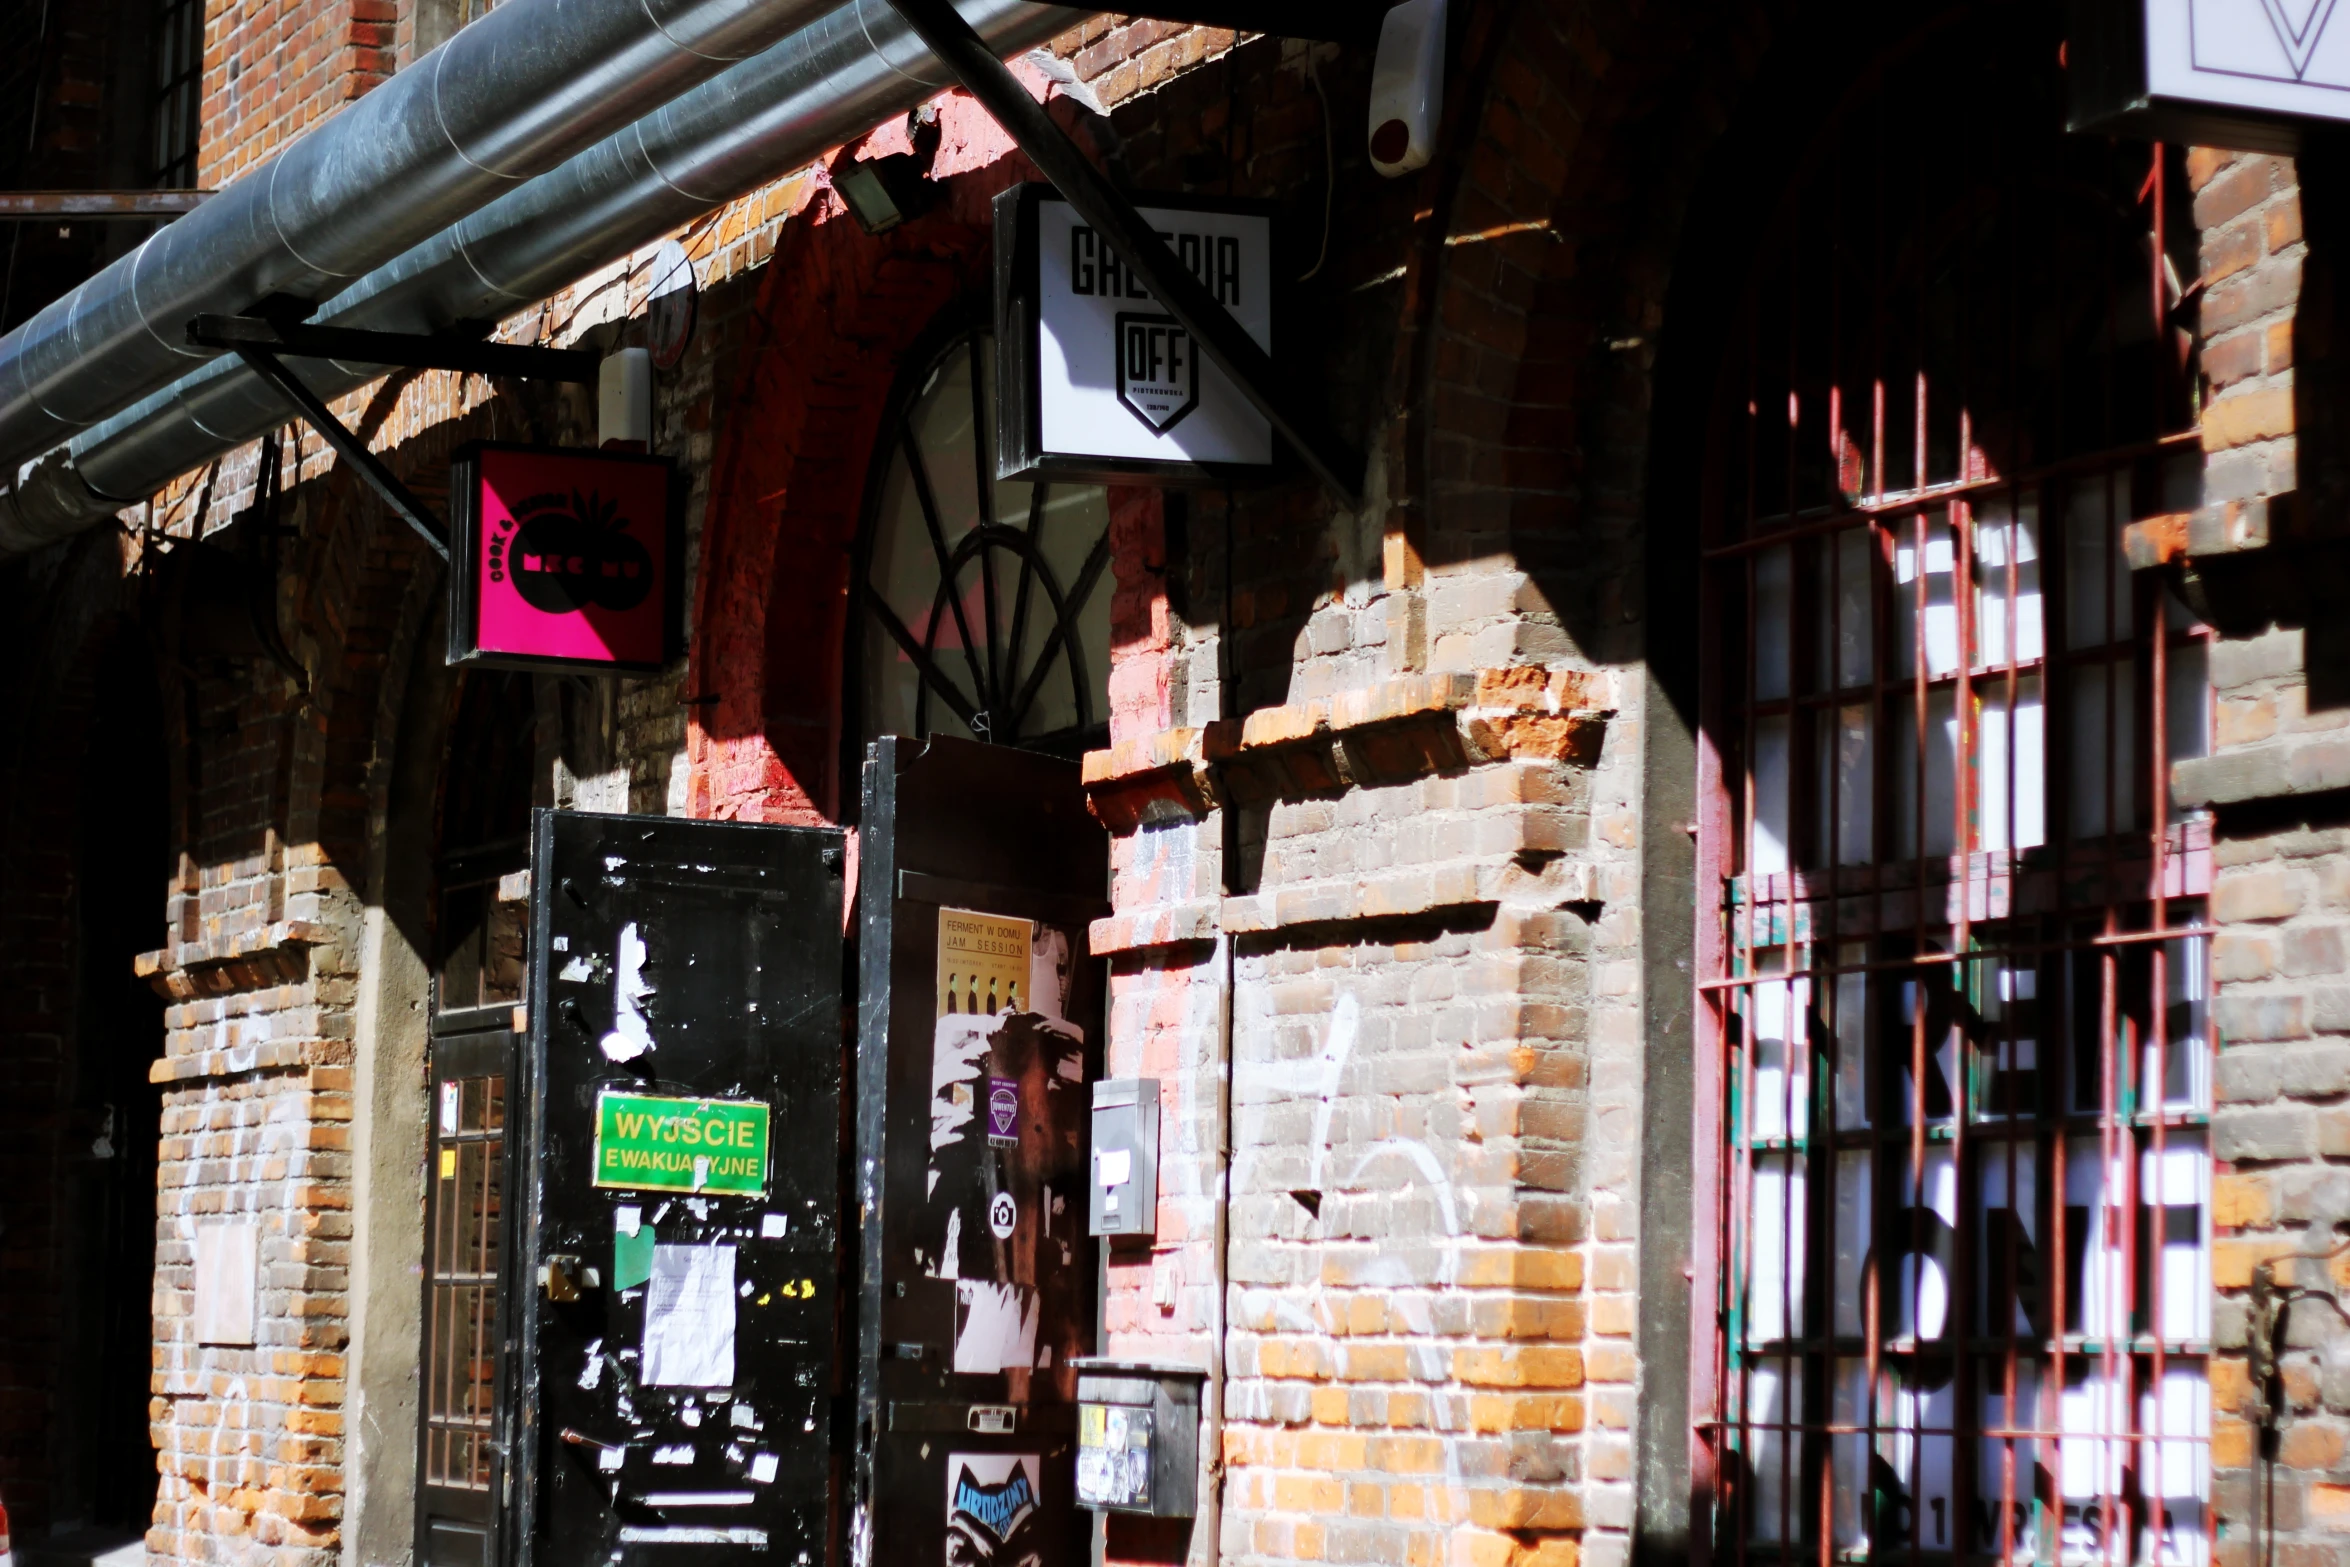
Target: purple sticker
1003, 1110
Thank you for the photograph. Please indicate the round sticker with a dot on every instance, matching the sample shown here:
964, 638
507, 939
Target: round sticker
1002, 1216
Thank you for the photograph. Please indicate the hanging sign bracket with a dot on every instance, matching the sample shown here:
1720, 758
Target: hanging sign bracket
259, 343
1135, 242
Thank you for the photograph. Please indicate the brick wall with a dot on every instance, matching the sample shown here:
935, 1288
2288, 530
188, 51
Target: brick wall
272, 72
2258, 559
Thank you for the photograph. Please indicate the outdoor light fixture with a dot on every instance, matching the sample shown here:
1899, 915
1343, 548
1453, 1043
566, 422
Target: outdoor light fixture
886, 192
1407, 87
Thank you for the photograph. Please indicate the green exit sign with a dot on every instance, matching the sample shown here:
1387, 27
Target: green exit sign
715, 1146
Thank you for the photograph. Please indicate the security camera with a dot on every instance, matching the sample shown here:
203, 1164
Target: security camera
1407, 87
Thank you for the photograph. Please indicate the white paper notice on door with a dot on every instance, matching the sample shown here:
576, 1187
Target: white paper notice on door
689, 1317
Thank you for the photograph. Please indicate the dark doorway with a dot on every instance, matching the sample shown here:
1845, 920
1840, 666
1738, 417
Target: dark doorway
480, 903
105, 1462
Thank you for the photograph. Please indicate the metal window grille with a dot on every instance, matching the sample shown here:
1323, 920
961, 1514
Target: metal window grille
1956, 1073
985, 603
179, 86
462, 1323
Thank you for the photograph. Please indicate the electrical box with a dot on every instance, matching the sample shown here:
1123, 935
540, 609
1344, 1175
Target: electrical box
1124, 1196
1138, 1437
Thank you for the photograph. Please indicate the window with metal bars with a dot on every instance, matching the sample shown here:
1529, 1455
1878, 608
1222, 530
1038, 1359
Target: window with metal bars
1956, 1061
465, 1252
178, 94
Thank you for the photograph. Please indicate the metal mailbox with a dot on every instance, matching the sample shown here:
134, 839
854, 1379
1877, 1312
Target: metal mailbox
1123, 1194
1138, 1437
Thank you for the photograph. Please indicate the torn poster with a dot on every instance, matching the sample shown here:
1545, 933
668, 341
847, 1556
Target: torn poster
689, 1317
995, 1327
632, 1249
630, 1036
1008, 1112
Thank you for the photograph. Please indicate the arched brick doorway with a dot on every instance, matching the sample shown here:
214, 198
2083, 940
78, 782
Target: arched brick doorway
837, 316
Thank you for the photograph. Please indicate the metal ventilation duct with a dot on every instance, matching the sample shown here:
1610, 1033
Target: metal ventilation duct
509, 97
848, 71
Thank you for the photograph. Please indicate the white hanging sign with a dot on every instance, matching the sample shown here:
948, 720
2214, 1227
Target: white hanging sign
2230, 73
1096, 379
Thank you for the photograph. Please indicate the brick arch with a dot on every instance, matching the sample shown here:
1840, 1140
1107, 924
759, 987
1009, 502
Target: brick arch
836, 317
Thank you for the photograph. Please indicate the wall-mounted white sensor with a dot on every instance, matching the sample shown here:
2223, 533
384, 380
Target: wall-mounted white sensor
624, 398
1407, 87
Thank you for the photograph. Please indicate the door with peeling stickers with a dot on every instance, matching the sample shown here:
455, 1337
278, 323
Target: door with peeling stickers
682, 1245
979, 1037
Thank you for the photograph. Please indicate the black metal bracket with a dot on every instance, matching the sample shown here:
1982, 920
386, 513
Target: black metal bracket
1323, 21
399, 350
259, 342
1136, 243
313, 409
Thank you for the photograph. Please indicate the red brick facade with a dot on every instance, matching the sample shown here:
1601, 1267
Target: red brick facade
1401, 797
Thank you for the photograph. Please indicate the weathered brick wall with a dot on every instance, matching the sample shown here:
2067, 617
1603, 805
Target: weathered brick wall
272, 72
2254, 558
1436, 1049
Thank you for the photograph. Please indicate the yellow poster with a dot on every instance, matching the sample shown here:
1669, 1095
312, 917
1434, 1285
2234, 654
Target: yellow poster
982, 963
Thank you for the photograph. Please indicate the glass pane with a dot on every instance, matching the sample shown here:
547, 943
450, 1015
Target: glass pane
1768, 854
1853, 1073
1925, 601
1020, 648
1847, 639
2097, 602
2011, 777
1774, 600
1775, 1264
2106, 788
1845, 779
1779, 1100
1774, 1402
2007, 582
1937, 757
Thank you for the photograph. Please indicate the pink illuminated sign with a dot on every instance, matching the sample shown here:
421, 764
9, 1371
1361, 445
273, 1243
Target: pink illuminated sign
562, 556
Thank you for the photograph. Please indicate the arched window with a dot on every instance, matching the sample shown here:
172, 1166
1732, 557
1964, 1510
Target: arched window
1959, 1062
985, 607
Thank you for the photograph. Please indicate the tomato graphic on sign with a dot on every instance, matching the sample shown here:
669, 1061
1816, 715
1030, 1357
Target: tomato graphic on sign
571, 552
567, 557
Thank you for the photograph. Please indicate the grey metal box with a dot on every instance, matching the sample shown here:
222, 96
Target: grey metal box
1123, 1186
1138, 1437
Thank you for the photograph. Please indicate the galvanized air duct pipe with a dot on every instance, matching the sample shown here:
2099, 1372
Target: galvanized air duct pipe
845, 73
509, 97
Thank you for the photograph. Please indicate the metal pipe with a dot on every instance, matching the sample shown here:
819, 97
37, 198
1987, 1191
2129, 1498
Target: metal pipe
835, 78
509, 97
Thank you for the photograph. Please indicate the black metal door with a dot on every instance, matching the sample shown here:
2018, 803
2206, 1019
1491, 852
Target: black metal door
681, 1238
979, 1034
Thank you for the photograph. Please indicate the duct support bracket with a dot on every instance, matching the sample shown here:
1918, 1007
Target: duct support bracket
401, 350
259, 343
968, 58
348, 446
